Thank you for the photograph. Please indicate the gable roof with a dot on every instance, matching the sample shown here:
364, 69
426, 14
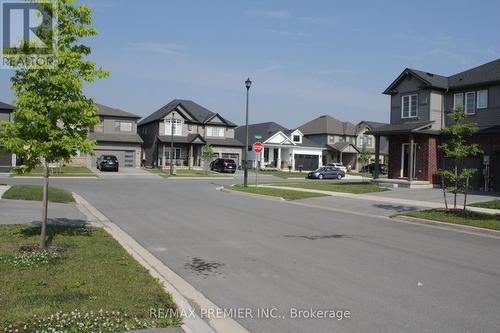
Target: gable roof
199, 114
328, 125
103, 110
483, 74
5, 106
267, 130
371, 125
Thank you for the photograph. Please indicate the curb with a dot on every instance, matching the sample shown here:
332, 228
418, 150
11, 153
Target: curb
180, 289
57, 177
450, 226
197, 178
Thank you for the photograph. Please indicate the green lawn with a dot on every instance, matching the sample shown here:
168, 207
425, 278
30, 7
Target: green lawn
355, 188
285, 194
493, 204
91, 271
65, 171
188, 173
474, 219
281, 174
35, 193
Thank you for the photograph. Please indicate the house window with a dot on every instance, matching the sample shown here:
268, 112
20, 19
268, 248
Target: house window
458, 100
175, 124
470, 102
366, 140
176, 156
190, 127
296, 138
409, 106
123, 126
482, 99
215, 131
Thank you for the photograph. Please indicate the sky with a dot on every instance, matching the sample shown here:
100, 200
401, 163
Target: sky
305, 58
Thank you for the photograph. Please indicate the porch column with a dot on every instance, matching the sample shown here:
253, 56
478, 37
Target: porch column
262, 162
377, 157
190, 158
292, 160
163, 156
278, 161
341, 158
320, 160
410, 158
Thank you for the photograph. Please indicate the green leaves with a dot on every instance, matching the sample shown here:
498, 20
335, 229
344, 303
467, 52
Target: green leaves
53, 115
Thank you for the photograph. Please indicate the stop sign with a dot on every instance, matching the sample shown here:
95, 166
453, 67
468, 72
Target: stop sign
257, 147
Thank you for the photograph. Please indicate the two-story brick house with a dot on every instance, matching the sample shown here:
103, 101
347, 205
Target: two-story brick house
191, 126
7, 160
115, 134
420, 102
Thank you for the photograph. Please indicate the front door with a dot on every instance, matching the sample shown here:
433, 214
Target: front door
405, 159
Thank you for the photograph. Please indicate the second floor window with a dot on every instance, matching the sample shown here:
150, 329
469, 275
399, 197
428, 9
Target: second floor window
409, 106
123, 126
296, 138
215, 131
458, 100
365, 140
176, 126
470, 102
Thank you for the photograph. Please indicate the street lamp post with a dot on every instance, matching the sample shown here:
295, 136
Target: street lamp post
172, 144
248, 83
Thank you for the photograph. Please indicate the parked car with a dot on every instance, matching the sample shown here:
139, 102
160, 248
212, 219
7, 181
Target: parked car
371, 167
326, 172
338, 166
223, 165
107, 162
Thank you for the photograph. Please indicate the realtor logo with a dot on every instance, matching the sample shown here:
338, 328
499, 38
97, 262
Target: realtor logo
28, 33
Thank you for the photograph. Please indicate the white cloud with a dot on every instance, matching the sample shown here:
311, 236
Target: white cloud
161, 48
270, 13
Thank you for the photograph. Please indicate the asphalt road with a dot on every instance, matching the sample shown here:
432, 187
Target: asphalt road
249, 252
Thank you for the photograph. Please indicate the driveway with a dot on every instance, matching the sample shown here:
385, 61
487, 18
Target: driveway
245, 252
125, 173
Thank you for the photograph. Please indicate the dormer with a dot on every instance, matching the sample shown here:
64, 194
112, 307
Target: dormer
296, 136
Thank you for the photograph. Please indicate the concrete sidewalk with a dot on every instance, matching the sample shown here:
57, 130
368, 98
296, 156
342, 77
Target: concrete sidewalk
397, 199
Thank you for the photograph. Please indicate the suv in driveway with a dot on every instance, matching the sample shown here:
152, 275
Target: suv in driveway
223, 165
371, 167
339, 166
107, 162
326, 172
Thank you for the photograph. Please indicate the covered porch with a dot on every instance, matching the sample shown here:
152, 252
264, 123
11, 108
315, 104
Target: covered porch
184, 152
413, 152
344, 153
286, 157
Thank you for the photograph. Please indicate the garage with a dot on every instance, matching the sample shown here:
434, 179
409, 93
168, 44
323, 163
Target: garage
306, 162
235, 157
126, 158
5, 162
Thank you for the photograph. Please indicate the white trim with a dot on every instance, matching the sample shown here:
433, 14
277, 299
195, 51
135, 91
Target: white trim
283, 134
465, 102
409, 106
477, 99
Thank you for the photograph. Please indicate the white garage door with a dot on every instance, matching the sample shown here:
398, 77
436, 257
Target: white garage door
125, 157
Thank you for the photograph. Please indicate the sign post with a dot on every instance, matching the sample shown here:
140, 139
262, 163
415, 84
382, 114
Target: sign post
258, 148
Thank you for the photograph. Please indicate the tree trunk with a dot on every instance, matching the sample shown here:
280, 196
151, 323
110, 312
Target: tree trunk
43, 233
456, 188
465, 193
444, 193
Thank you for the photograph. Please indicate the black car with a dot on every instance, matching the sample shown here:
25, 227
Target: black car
223, 165
326, 172
371, 167
107, 162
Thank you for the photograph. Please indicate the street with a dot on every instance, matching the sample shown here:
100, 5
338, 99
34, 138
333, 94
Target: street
247, 252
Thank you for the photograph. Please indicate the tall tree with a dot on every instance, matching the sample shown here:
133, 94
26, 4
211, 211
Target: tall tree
456, 148
53, 116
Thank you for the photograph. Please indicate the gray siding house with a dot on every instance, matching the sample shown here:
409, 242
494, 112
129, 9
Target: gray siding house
191, 126
7, 160
420, 103
116, 134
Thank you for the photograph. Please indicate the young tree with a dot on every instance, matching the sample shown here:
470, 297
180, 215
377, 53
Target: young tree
456, 148
364, 158
207, 154
52, 116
